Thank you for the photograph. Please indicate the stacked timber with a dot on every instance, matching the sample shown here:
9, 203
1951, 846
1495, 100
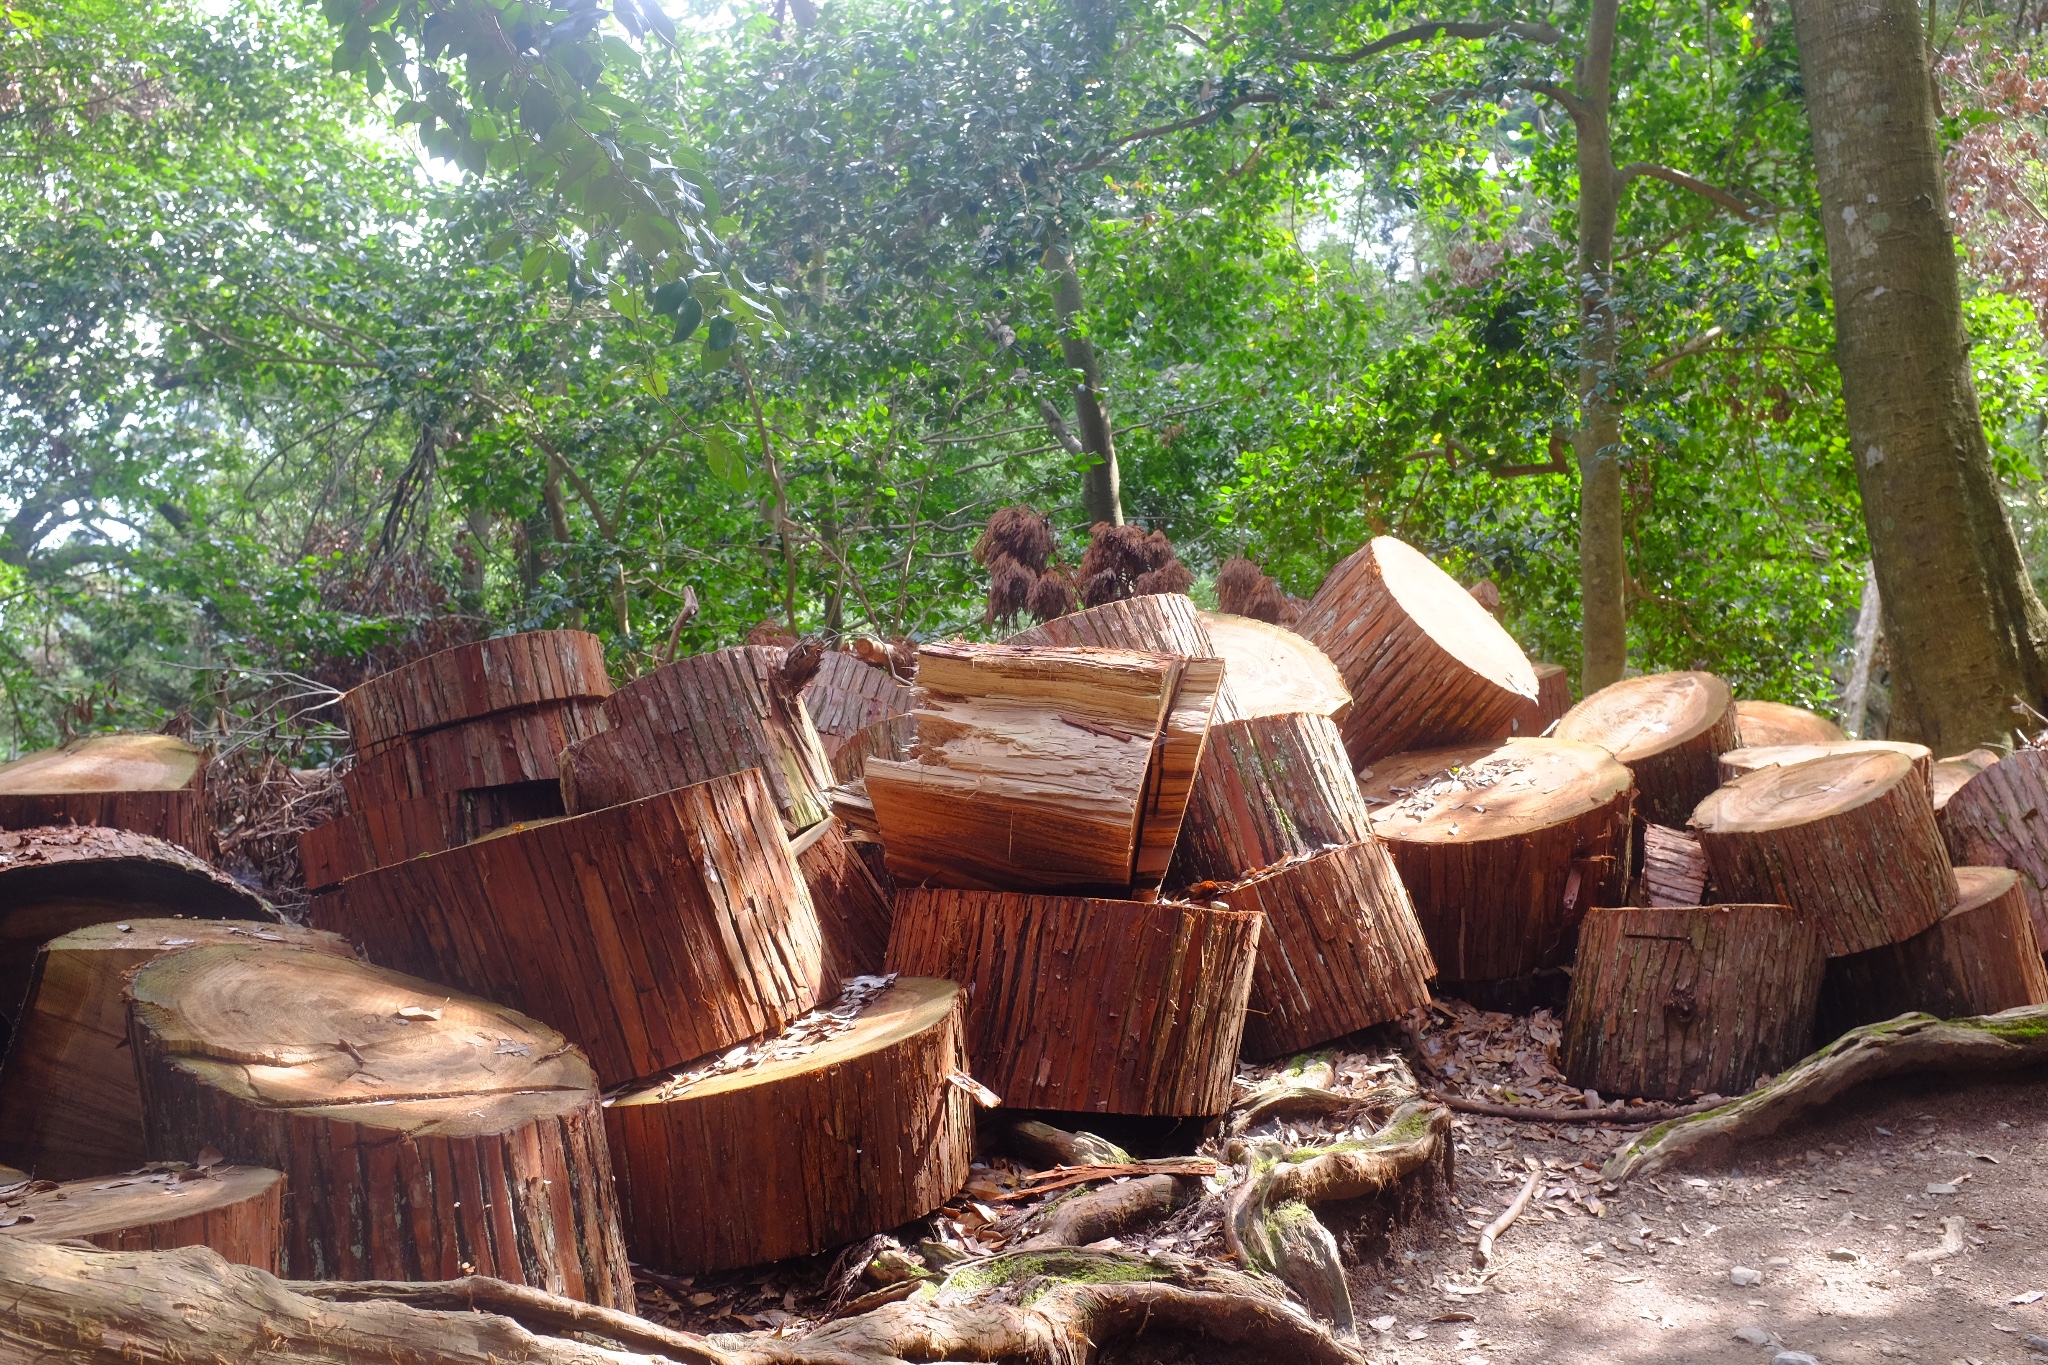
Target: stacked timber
1759, 724
1669, 728
238, 1211
1950, 775
146, 784
853, 907
849, 694
379, 835
1999, 818
1736, 762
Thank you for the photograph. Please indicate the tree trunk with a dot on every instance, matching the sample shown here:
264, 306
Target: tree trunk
848, 695
1270, 670
1999, 818
1762, 723
359, 841
1101, 487
1674, 868
505, 673
853, 910
1270, 789
504, 749
149, 784
1669, 728
238, 1211
1969, 637
422, 1135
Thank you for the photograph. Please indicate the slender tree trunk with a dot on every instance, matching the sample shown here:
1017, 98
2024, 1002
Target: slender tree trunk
1969, 637
1101, 490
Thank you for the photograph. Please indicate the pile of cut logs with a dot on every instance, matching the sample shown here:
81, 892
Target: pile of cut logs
711, 968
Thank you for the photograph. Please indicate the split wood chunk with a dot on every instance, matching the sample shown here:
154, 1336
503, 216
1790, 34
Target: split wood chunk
361, 841
651, 933
1981, 958
706, 716
1270, 788
1503, 847
1999, 818
1736, 762
1553, 699
1271, 670
848, 695
69, 1103
1675, 868
1176, 760
1425, 663
1340, 950
1108, 1007
1848, 841
1669, 728
893, 738
147, 784
1950, 775
1759, 724
853, 910
238, 1211
848, 1124
505, 673
1677, 1001
492, 751
423, 1135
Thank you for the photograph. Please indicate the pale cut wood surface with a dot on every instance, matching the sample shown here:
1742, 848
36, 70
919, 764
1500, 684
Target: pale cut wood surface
237, 1211
1272, 671
147, 784
1761, 723
1668, 728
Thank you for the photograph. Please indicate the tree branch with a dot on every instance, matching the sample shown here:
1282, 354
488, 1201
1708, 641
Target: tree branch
1663, 368
1430, 29
1570, 103
1161, 130
1735, 204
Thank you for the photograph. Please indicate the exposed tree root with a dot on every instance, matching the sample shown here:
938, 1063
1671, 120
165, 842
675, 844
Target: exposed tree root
1632, 1116
1111, 1211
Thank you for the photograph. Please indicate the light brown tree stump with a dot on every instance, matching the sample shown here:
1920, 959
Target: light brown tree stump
1759, 724
829, 1133
853, 910
499, 750
69, 1103
470, 681
892, 739
1503, 847
1736, 762
423, 1135
1553, 699
1669, 728
1981, 958
1675, 871
651, 933
847, 695
238, 1211
706, 716
1270, 789
1426, 664
359, 841
1847, 841
1680, 1001
1340, 949
147, 784
1110, 1007
1999, 818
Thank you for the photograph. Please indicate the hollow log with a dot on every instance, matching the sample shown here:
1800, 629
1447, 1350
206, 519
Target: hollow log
146, 784
359, 841
853, 909
1270, 788
1736, 762
70, 1106
1101, 1006
1428, 665
1847, 841
1680, 1001
1503, 847
846, 1125
1270, 670
422, 1134
1668, 728
505, 673
892, 739
1340, 950
1762, 723
847, 695
238, 1211
1999, 818
1553, 698
650, 933
507, 748
1675, 871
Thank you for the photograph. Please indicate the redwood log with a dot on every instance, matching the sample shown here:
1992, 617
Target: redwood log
147, 784
1116, 1007
1427, 664
1950, 775
1680, 1001
69, 1103
848, 1124
1553, 698
422, 1135
506, 673
359, 841
1340, 950
894, 739
1269, 670
853, 909
1999, 818
847, 695
1847, 841
236, 1210
651, 933
1270, 788
1669, 728
1176, 759
1503, 847
1157, 623
1736, 762
1759, 724
1675, 871
492, 751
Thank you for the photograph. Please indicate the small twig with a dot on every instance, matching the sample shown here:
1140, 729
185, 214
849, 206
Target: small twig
1507, 1218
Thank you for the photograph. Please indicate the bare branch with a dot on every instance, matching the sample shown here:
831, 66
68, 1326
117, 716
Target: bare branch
1161, 130
1734, 203
1570, 103
1431, 29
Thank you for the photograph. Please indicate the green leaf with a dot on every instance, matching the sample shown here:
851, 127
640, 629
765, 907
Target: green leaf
727, 463
670, 297
720, 335
687, 317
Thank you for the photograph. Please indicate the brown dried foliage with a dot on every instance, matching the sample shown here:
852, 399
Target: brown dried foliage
1127, 561
1242, 589
1020, 532
1994, 169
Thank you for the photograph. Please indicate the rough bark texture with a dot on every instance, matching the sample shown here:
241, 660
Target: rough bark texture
1271, 788
846, 696
1272, 671
1340, 949
1159, 623
1669, 728
892, 739
1553, 699
1682, 1001
1736, 762
853, 909
1969, 636
1999, 818
1950, 775
1101, 486
238, 1211
1675, 871
147, 784
1429, 665
360, 841
422, 1135
1597, 443
469, 681
1761, 723
651, 933
821, 1143
1847, 841
70, 1106
497, 750
1099, 1006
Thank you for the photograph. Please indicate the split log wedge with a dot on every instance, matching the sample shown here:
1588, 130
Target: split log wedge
492, 751
1176, 761
1736, 762
359, 841
1669, 728
847, 695
1675, 869
1553, 699
1999, 818
238, 1211
848, 1124
147, 784
1108, 1007
1847, 841
1762, 723
1270, 670
505, 673
853, 910
422, 1135
1270, 789
1681, 1001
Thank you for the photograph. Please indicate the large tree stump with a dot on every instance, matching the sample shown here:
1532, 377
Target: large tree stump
359, 841
1111, 1007
505, 673
1680, 1001
1999, 818
1426, 664
1503, 847
651, 933
1675, 871
1270, 789
853, 910
847, 1125
423, 1135
1553, 698
498, 750
1340, 950
1270, 670
1759, 724
1736, 762
1669, 728
147, 784
69, 1103
847, 695
1981, 958
238, 1211
1847, 841
710, 715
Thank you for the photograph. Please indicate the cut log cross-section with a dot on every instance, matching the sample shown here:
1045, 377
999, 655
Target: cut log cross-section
1426, 664
848, 695
1116, 1007
422, 1135
848, 1124
1669, 728
146, 784
1999, 818
1270, 670
238, 1211
1759, 724
506, 673
1847, 841
69, 1103
1675, 1002
853, 910
498, 750
1736, 762
1270, 789
1675, 871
